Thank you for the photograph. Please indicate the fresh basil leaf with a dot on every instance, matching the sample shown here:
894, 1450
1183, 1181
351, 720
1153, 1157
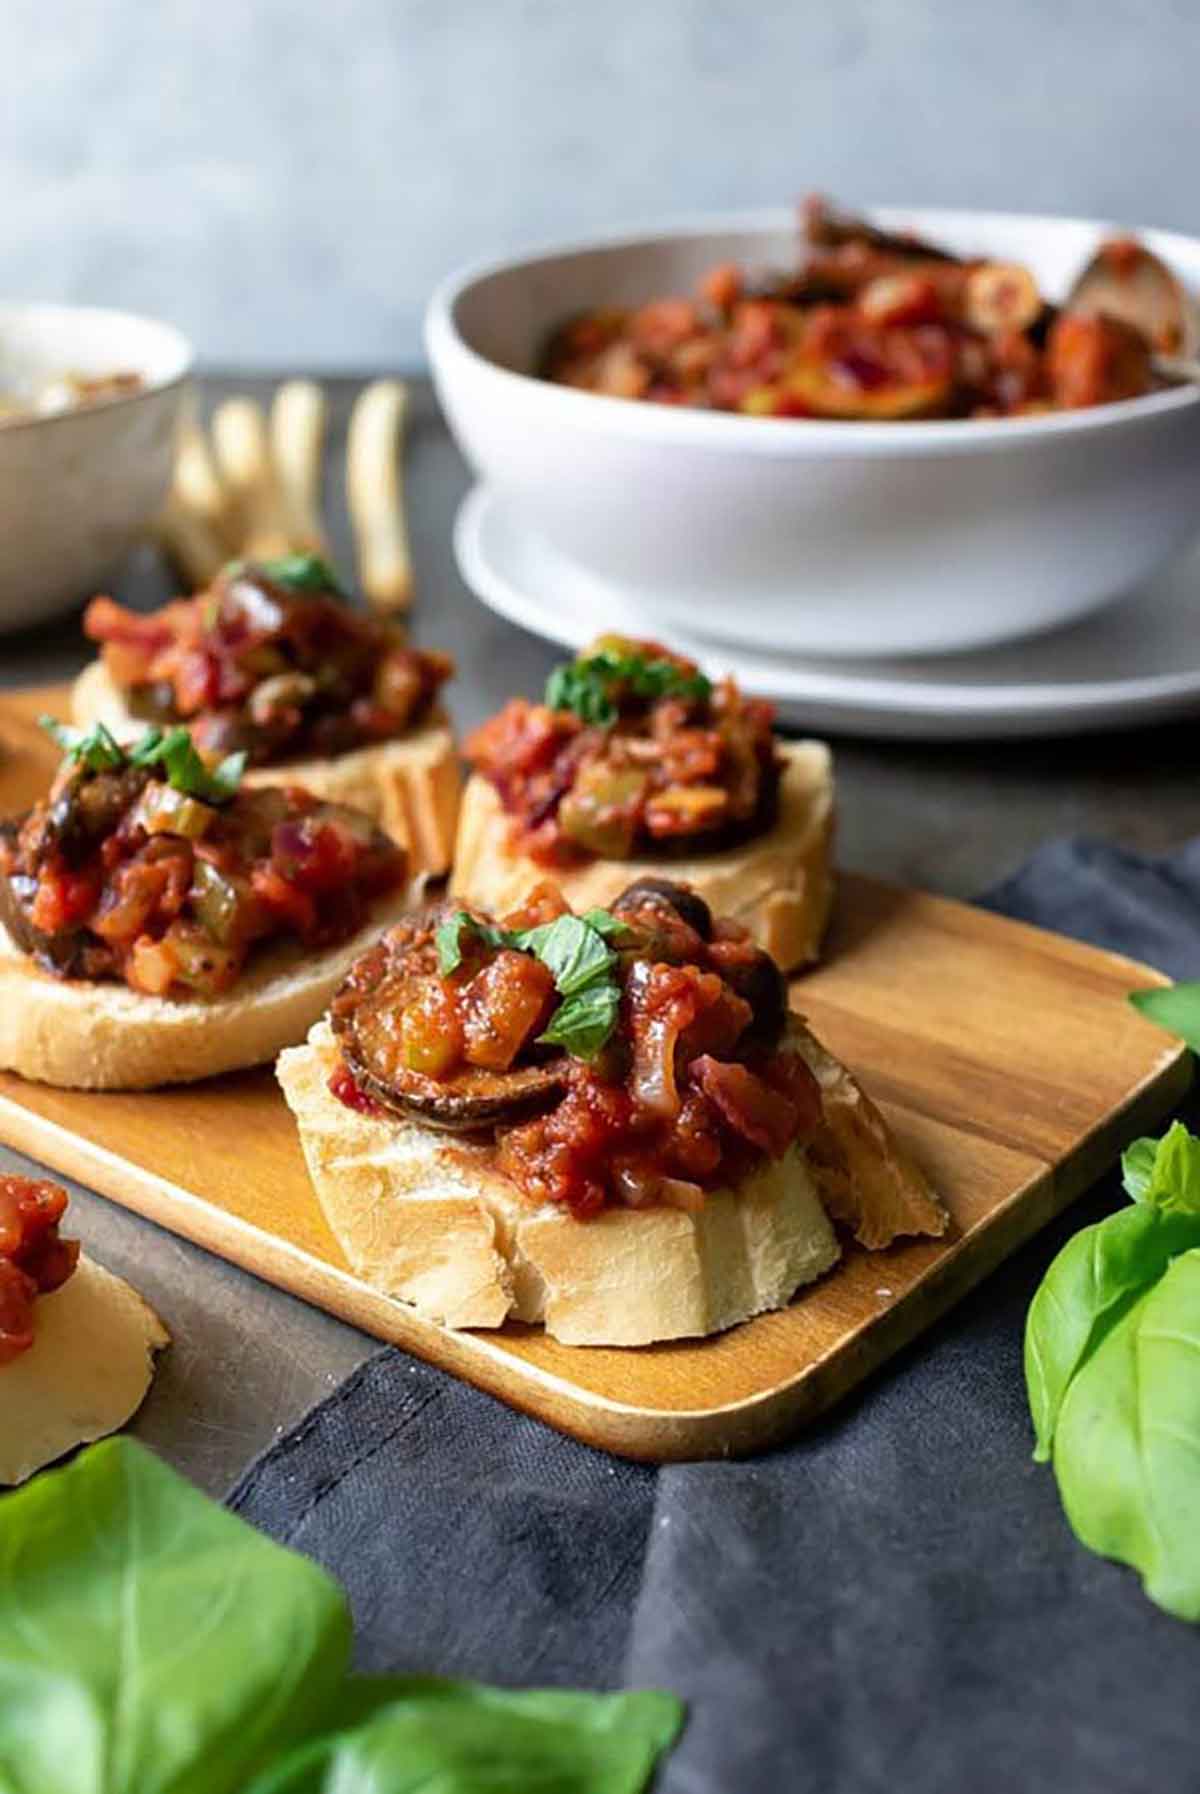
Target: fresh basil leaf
1137, 1168
1086, 1290
576, 952
574, 688
150, 1640
461, 1738
226, 775
186, 772
610, 926
1166, 1172
95, 748
591, 684
1127, 1447
572, 948
302, 573
1175, 1007
448, 939
584, 1023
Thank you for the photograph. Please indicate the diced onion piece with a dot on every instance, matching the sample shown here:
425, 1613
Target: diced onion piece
151, 966
163, 810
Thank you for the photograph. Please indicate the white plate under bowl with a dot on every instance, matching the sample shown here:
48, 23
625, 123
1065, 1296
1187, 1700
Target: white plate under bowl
1137, 662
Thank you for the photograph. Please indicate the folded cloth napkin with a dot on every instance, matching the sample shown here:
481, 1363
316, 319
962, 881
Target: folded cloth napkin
894, 1601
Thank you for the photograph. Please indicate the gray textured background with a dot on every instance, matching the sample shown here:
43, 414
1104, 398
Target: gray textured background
287, 178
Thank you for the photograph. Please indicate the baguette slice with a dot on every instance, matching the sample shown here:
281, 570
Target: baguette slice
779, 886
430, 1220
82, 1035
410, 787
85, 1375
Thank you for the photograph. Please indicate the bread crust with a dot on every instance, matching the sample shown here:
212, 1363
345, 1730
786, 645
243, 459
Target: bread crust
85, 1375
411, 786
431, 1220
779, 885
867, 1181
91, 1035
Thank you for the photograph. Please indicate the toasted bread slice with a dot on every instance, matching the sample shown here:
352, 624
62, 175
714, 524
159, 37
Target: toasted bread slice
85, 1375
410, 787
430, 1219
779, 886
84, 1035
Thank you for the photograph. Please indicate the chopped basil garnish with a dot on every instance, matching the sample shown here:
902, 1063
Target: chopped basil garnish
98, 751
589, 686
448, 937
302, 573
576, 950
583, 1024
94, 749
175, 752
572, 948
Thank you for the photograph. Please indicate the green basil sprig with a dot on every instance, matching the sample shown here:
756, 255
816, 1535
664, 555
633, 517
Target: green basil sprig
150, 1640
1175, 1007
592, 684
576, 950
175, 752
94, 749
295, 572
172, 749
1112, 1365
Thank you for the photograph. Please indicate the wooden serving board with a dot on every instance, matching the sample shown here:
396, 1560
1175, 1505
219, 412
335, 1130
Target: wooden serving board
1006, 1059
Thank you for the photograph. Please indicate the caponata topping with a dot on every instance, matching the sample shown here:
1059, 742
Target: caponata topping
270, 662
469, 1024
869, 326
634, 750
120, 874
34, 1261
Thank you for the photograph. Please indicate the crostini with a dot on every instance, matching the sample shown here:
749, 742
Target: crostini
637, 765
607, 1123
77, 1344
159, 924
272, 662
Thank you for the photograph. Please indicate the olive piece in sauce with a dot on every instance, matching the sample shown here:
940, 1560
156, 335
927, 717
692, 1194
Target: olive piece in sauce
653, 893
759, 982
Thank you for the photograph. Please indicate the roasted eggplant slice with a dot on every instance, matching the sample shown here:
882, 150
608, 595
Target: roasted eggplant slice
367, 1016
464, 1104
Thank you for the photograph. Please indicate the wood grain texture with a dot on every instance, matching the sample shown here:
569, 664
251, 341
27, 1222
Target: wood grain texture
1005, 1058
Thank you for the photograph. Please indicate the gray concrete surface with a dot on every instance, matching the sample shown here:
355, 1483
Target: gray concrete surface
287, 178
248, 1360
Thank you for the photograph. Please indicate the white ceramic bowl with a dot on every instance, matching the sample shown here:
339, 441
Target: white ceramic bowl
838, 538
78, 488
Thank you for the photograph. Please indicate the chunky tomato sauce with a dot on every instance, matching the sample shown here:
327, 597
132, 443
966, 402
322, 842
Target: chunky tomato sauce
867, 327
33, 1259
695, 1085
118, 875
254, 665
689, 768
